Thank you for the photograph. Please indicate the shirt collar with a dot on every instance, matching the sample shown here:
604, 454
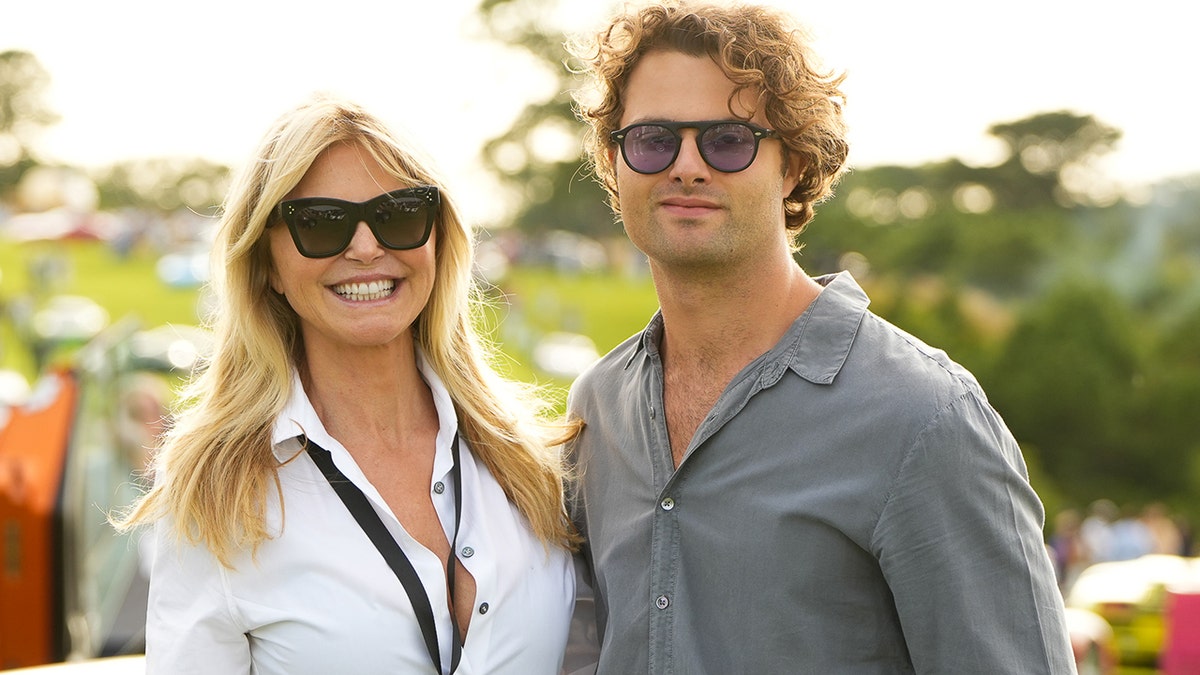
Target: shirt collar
649, 338
819, 340
816, 345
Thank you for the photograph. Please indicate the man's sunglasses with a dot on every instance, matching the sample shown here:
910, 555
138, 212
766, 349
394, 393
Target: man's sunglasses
726, 145
322, 227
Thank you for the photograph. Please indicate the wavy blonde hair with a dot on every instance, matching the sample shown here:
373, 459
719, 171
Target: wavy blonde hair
216, 463
759, 49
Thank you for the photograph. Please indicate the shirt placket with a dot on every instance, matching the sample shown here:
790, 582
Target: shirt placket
664, 547
669, 484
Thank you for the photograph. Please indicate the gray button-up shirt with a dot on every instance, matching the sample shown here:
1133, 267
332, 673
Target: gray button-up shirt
852, 504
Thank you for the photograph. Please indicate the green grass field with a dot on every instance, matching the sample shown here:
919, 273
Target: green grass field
526, 305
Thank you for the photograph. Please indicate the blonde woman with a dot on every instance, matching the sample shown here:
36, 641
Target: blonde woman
348, 486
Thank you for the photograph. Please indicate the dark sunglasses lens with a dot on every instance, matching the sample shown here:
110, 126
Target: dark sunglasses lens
728, 147
323, 229
400, 222
650, 148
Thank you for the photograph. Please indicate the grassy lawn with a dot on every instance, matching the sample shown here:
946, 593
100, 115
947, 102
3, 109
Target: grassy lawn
125, 287
531, 303
525, 306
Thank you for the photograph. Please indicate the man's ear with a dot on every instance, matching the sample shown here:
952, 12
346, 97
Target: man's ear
794, 167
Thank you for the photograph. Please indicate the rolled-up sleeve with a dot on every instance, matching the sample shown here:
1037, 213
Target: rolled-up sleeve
960, 543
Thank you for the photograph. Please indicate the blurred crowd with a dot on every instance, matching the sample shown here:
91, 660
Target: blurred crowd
1106, 533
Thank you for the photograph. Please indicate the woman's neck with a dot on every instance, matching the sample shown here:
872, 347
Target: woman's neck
372, 394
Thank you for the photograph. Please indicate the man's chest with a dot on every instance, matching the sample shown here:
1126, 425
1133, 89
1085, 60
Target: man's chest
688, 398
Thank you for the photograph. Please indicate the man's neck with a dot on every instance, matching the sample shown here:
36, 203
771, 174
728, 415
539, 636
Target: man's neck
730, 318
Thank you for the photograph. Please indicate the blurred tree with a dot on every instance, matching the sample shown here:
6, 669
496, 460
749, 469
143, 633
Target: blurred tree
163, 184
1068, 382
540, 157
915, 221
23, 114
1163, 429
1050, 161
995, 228
1177, 204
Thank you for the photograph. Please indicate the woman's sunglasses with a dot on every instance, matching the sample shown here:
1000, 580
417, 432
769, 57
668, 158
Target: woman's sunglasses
322, 227
726, 145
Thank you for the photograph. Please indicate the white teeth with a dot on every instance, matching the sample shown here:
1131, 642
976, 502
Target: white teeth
373, 290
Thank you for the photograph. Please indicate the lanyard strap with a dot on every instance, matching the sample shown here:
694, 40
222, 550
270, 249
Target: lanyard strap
360, 507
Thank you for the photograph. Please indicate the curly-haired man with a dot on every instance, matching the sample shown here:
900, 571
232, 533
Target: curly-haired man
772, 479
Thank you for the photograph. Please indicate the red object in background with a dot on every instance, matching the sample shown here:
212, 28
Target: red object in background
33, 449
1181, 648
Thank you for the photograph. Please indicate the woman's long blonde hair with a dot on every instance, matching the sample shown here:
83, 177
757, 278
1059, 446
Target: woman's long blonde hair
216, 463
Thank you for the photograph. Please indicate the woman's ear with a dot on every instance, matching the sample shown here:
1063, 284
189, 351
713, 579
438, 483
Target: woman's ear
268, 259
273, 278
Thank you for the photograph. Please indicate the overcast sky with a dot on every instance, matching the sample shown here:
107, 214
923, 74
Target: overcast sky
142, 78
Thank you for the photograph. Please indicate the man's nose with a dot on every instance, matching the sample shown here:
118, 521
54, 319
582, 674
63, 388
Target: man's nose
689, 166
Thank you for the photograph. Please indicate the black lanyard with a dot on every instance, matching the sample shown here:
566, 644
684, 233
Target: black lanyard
360, 507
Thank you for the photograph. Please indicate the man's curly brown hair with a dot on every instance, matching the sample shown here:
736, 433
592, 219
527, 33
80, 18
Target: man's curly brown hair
760, 50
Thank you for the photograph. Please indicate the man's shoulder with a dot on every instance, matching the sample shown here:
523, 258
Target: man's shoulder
902, 349
921, 374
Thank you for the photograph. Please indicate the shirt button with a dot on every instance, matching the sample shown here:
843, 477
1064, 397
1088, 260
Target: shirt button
662, 602
483, 608
667, 504
467, 552
439, 487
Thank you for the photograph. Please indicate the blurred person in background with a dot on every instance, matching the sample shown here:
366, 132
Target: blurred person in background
349, 486
143, 418
1067, 547
141, 421
772, 478
1131, 537
1165, 535
1097, 530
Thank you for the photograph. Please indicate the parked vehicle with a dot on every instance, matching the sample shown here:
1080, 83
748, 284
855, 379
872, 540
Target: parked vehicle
1131, 595
70, 454
1092, 642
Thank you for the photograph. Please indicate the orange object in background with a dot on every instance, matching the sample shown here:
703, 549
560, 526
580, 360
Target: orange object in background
72, 453
33, 451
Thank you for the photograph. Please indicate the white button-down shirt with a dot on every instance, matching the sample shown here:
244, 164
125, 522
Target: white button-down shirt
319, 597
